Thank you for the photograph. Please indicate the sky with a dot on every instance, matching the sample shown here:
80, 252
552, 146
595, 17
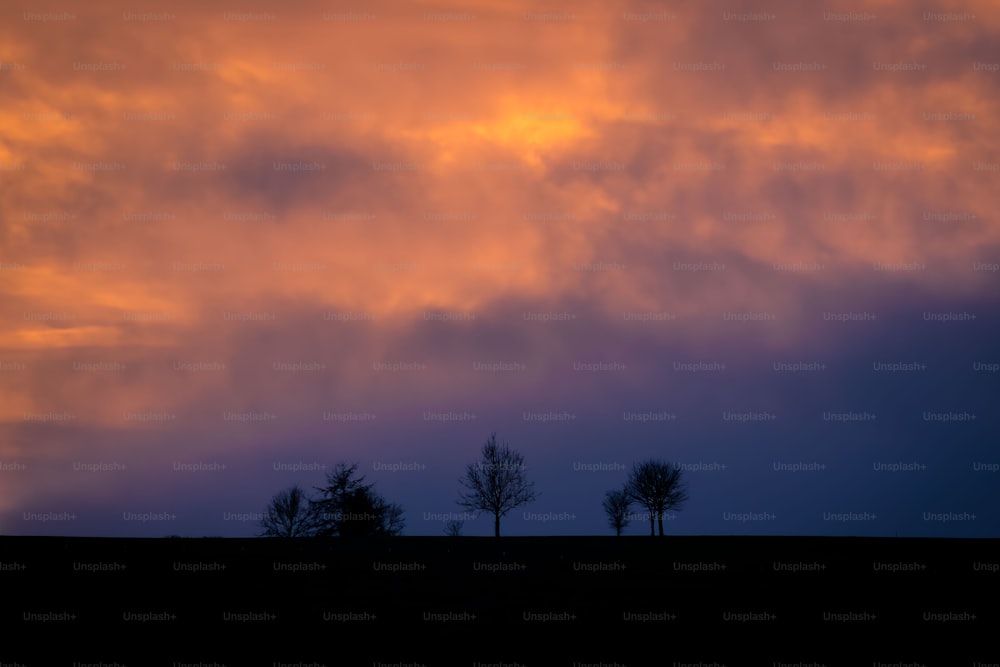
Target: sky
242, 242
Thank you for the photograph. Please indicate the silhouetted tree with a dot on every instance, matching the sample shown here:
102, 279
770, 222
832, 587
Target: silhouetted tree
347, 507
454, 528
617, 504
288, 515
496, 483
657, 486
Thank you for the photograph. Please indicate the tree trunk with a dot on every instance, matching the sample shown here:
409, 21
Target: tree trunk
659, 522
496, 525
652, 530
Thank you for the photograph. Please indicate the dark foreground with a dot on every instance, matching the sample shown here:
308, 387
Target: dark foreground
509, 601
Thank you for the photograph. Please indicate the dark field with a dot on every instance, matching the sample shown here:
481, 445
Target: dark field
600, 598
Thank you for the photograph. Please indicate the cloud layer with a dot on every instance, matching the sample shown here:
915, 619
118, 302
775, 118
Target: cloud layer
229, 235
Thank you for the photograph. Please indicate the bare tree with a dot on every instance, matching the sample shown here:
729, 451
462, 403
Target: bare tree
348, 507
657, 486
288, 515
617, 504
454, 528
496, 483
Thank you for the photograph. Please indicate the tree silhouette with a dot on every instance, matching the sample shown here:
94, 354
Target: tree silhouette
657, 486
347, 507
617, 504
496, 483
288, 515
454, 528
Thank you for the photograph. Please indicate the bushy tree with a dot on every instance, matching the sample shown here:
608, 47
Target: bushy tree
617, 505
657, 486
348, 507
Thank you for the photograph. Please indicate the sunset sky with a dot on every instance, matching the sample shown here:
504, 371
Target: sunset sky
242, 241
